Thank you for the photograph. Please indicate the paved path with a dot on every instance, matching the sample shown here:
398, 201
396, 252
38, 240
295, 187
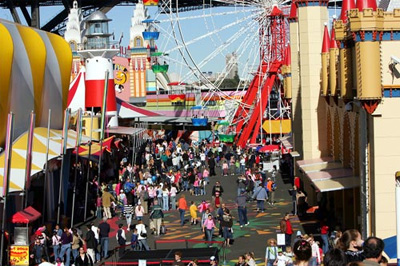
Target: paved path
249, 238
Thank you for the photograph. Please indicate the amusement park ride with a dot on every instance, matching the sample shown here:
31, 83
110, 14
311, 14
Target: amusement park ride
246, 115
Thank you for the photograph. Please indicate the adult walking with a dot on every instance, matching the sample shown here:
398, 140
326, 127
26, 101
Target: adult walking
142, 236
128, 212
208, 228
121, 239
242, 210
271, 252
182, 206
286, 228
38, 251
66, 240
106, 199
104, 228
260, 194
156, 216
83, 259
91, 243
211, 165
56, 242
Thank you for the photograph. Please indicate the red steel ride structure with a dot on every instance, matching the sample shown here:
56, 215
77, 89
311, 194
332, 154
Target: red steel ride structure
273, 44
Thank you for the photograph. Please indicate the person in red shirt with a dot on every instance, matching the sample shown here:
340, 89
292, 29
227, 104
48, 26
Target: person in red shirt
286, 228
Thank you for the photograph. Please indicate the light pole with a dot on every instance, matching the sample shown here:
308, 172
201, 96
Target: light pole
397, 178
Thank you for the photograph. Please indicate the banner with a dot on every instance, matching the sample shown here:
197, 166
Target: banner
19, 255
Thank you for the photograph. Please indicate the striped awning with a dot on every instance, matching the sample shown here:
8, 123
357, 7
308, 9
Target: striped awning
19, 150
328, 175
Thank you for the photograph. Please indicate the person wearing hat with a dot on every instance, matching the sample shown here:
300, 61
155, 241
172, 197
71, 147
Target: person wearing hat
242, 210
213, 261
281, 260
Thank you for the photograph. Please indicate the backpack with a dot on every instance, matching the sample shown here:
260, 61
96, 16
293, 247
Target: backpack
146, 195
127, 188
121, 241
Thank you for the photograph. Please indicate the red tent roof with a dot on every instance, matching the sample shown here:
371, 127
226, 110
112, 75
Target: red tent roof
26, 216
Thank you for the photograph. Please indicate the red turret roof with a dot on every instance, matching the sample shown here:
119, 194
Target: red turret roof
361, 4
325, 41
333, 43
346, 5
276, 11
293, 12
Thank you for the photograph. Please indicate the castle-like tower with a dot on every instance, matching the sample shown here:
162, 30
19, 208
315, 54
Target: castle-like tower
307, 25
141, 76
73, 35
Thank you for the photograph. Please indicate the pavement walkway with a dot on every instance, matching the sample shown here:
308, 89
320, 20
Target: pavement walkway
253, 237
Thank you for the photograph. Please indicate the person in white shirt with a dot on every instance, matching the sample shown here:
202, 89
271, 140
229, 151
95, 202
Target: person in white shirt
172, 195
315, 256
142, 236
281, 259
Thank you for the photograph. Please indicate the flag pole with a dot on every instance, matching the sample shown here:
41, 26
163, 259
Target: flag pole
63, 151
46, 169
77, 144
103, 118
88, 166
6, 177
28, 166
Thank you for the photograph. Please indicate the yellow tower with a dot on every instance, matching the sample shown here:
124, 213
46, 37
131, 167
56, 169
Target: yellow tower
311, 16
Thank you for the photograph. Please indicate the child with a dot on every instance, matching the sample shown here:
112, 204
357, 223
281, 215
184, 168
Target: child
281, 260
197, 186
193, 213
289, 255
205, 216
225, 168
134, 239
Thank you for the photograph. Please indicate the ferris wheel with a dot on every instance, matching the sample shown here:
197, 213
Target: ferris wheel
220, 47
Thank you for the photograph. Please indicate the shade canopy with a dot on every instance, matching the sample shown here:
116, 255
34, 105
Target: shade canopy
328, 175
26, 216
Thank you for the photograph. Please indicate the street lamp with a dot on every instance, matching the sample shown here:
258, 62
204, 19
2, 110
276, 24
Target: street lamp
397, 178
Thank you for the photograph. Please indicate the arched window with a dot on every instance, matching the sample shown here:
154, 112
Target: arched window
138, 42
72, 45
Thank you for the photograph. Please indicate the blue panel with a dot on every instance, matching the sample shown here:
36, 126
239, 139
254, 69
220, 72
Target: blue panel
391, 94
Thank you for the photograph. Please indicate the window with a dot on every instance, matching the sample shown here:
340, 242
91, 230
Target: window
138, 42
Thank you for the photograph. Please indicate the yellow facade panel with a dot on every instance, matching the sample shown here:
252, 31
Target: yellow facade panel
278, 126
368, 70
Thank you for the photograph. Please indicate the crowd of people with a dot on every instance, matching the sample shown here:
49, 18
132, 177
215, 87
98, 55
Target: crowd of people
165, 173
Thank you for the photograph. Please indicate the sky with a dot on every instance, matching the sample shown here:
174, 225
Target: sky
210, 34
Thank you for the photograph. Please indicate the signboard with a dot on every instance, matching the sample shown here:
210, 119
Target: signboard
19, 255
280, 239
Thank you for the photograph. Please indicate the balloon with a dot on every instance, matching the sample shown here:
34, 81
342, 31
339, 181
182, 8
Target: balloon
141, 182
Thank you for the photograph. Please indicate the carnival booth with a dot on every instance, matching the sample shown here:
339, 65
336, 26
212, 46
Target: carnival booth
19, 251
198, 117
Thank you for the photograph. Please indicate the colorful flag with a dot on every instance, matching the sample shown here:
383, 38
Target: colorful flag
150, 2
